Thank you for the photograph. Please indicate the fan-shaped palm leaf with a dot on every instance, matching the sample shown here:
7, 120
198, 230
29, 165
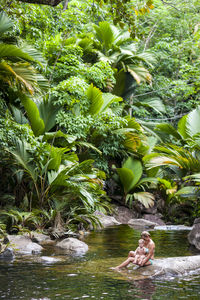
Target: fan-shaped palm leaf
5, 23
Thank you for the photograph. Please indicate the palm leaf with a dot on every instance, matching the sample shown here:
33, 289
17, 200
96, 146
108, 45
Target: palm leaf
193, 122
127, 177
182, 127
139, 73
96, 100
136, 167
48, 112
33, 53
168, 129
5, 23
187, 191
88, 145
147, 199
12, 51
108, 99
154, 103
37, 124
23, 158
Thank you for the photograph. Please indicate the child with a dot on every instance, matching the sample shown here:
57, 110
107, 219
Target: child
140, 253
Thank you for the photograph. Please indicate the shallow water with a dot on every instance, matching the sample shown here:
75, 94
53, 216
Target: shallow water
89, 276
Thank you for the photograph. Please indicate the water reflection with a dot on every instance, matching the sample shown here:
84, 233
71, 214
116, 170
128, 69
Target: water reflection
145, 287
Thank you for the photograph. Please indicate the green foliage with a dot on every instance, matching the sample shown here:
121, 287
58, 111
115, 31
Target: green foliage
130, 175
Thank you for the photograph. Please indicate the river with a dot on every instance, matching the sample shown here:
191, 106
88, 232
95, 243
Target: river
89, 276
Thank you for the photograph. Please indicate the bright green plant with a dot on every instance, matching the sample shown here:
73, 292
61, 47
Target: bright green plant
15, 67
131, 178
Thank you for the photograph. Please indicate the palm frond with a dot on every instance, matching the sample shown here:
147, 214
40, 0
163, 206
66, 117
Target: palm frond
5, 23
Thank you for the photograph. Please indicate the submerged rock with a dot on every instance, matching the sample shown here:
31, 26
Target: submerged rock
73, 245
49, 259
7, 254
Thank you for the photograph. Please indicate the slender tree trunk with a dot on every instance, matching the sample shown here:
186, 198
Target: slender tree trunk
66, 5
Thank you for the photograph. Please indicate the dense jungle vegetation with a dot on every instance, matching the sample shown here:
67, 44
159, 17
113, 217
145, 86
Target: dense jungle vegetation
99, 104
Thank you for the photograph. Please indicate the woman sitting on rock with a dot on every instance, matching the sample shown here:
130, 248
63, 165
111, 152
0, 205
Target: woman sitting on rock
148, 258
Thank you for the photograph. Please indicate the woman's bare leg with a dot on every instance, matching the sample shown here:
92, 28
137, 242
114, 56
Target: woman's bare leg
125, 263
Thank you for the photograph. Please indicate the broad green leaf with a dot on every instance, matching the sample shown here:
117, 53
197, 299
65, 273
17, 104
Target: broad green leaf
187, 191
105, 34
108, 99
88, 145
59, 134
182, 127
96, 100
154, 103
136, 167
193, 122
55, 155
147, 180
126, 176
37, 124
168, 129
48, 112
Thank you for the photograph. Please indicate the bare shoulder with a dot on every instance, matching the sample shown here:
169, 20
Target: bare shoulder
151, 244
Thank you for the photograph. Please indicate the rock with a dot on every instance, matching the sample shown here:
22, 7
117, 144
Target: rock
194, 235
105, 220
23, 244
7, 254
73, 245
42, 239
154, 218
141, 223
197, 220
172, 266
123, 214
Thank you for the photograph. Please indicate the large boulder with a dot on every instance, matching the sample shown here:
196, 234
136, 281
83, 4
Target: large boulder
123, 214
105, 220
154, 218
141, 223
172, 266
73, 245
23, 245
194, 235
